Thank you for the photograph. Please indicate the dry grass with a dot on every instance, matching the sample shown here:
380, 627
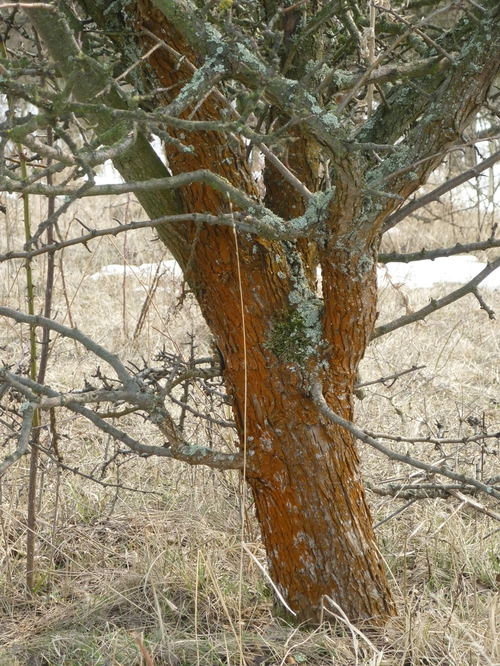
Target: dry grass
163, 563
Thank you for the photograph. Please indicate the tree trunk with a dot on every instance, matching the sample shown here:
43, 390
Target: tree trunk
303, 471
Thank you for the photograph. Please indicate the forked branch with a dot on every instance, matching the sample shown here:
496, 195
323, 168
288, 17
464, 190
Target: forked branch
142, 391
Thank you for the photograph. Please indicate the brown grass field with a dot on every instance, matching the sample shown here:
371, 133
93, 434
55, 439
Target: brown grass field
152, 555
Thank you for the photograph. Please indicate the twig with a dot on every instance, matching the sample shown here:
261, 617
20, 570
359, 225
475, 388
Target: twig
179, 449
475, 505
422, 34
424, 255
483, 304
396, 513
77, 335
278, 164
28, 411
435, 440
207, 417
419, 491
137, 62
244, 222
392, 378
104, 484
476, 5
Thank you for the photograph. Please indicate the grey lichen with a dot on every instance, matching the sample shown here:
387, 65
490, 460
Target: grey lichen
316, 211
315, 107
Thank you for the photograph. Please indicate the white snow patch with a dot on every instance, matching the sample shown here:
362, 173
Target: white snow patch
427, 273
108, 175
142, 271
416, 275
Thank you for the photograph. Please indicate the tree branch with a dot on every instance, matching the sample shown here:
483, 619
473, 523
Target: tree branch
418, 491
242, 221
390, 378
435, 305
449, 185
180, 450
207, 417
80, 337
320, 402
105, 484
459, 248
28, 411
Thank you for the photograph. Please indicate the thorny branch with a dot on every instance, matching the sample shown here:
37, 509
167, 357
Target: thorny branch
459, 248
320, 402
438, 192
143, 391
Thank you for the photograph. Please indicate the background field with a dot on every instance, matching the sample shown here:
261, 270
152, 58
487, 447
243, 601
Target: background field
153, 551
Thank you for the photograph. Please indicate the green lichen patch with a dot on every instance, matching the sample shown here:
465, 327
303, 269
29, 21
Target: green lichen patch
288, 339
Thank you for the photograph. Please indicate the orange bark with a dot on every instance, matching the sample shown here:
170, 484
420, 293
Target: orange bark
303, 471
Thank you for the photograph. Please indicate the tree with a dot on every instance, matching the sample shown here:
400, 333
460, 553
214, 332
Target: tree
351, 106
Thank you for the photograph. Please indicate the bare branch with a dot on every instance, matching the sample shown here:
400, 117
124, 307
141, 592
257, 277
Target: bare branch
207, 417
449, 185
322, 405
415, 28
474, 504
188, 453
179, 450
459, 248
244, 222
418, 491
440, 441
105, 484
390, 378
293, 180
435, 305
483, 304
168, 183
80, 337
90, 397
395, 513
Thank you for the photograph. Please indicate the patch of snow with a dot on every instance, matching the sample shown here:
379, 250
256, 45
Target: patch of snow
427, 273
142, 271
108, 175
416, 275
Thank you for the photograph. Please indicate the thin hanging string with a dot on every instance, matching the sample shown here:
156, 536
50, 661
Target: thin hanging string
245, 402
